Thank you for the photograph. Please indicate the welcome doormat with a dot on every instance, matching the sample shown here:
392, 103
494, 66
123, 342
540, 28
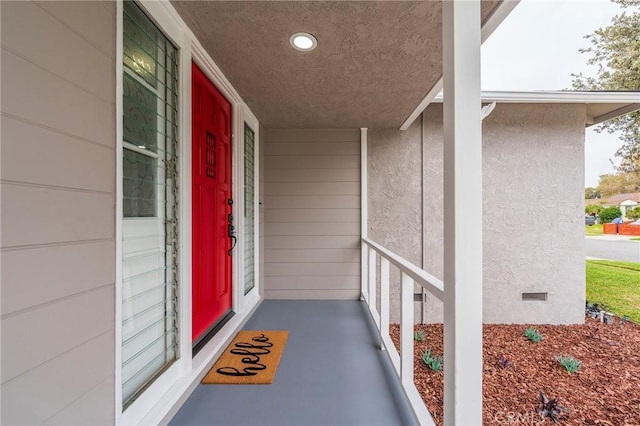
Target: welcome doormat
251, 358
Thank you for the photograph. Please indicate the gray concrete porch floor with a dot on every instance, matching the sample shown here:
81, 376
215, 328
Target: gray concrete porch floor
331, 373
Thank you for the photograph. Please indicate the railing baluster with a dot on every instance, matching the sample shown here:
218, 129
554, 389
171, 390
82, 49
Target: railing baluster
364, 269
403, 363
372, 286
384, 299
406, 330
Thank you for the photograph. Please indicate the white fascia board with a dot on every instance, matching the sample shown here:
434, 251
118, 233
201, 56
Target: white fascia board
629, 100
424, 103
559, 96
499, 14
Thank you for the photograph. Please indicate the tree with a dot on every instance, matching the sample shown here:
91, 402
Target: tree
593, 209
615, 49
619, 183
633, 214
591, 193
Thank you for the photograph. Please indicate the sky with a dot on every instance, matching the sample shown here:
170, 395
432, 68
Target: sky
513, 59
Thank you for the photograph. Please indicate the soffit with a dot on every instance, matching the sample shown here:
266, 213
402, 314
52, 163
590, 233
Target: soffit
597, 113
374, 63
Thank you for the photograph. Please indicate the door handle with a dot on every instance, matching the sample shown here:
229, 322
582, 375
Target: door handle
231, 232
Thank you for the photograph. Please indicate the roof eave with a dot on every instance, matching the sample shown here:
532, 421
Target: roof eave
499, 14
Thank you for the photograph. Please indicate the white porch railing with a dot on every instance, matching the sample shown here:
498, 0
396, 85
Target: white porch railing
410, 275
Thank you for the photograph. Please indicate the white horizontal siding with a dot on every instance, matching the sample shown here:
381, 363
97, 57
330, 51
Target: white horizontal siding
313, 201
323, 188
54, 329
88, 20
315, 242
314, 294
34, 42
58, 215
35, 215
87, 408
313, 255
93, 267
312, 175
286, 149
309, 229
53, 386
311, 269
298, 283
23, 142
38, 96
302, 136
329, 162
312, 214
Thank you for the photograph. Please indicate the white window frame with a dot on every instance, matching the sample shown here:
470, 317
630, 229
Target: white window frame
161, 400
246, 116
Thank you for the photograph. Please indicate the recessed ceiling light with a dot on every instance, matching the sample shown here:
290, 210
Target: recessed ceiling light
303, 42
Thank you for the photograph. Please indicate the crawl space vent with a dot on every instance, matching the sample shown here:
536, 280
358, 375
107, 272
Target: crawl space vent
534, 296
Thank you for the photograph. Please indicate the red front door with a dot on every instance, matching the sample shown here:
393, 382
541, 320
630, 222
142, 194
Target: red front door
211, 151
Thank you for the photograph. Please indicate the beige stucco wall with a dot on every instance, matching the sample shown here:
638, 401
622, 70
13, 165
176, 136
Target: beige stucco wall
58, 216
532, 210
395, 200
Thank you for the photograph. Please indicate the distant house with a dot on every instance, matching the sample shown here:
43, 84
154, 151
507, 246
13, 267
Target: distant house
594, 201
625, 201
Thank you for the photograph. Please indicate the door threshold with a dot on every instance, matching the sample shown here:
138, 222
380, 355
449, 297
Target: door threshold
204, 339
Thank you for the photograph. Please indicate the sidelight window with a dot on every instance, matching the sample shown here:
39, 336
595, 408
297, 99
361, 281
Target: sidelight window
249, 209
149, 203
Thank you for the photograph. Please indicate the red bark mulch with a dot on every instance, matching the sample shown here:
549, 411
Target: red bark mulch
605, 391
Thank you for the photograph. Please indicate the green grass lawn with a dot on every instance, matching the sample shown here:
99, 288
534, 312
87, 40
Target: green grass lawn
616, 285
593, 229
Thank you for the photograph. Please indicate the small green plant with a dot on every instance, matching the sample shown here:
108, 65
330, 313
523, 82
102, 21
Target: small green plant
433, 362
418, 336
550, 408
569, 363
532, 334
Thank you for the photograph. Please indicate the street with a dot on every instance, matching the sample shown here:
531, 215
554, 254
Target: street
613, 249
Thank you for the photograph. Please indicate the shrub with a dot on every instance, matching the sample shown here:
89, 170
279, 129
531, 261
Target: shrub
634, 213
418, 336
532, 334
609, 213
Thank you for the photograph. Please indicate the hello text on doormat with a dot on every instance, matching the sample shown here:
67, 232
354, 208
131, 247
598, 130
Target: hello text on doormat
251, 358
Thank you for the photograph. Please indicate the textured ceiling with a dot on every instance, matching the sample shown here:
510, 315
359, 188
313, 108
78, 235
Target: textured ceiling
374, 63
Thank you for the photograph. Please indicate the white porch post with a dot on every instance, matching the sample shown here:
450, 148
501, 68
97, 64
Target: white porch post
462, 232
364, 216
